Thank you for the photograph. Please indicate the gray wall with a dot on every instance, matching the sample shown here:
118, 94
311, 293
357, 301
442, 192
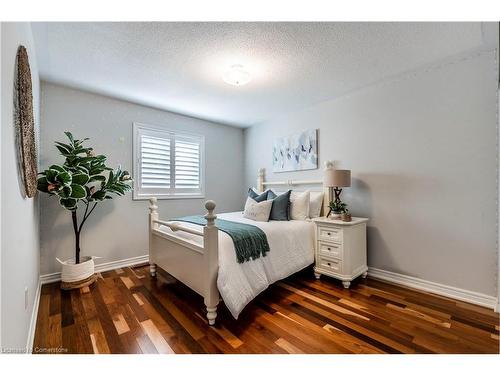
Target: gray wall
422, 150
19, 215
0, 192
118, 228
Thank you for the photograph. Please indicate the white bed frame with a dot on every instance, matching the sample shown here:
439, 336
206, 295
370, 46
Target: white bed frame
197, 265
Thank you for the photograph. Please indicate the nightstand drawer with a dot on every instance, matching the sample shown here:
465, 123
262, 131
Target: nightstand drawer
333, 265
330, 234
330, 249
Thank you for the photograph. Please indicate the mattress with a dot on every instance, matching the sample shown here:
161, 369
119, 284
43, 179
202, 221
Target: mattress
292, 249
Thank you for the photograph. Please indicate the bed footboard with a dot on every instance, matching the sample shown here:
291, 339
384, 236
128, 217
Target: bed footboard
189, 262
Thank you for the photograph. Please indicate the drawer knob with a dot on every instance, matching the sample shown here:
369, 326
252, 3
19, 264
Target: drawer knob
329, 264
329, 249
329, 234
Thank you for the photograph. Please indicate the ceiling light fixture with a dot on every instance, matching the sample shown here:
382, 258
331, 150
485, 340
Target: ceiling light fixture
236, 76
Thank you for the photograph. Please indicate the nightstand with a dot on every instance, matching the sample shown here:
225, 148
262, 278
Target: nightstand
340, 249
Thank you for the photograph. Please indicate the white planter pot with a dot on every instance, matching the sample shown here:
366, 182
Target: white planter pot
335, 215
72, 272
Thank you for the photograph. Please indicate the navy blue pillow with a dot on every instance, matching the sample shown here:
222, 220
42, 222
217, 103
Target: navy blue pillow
281, 205
256, 197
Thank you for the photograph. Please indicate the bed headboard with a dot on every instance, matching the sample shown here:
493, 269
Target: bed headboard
262, 184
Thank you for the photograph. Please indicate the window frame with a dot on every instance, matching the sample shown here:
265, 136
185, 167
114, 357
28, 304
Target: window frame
138, 192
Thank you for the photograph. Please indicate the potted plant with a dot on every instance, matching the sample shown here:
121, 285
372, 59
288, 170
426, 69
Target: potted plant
82, 181
337, 208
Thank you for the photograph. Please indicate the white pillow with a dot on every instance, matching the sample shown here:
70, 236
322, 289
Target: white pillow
299, 205
257, 211
315, 203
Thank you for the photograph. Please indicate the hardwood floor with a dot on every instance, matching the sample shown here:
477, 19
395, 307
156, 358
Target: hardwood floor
127, 311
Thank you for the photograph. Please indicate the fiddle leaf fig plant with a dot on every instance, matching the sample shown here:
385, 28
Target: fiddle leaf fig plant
83, 180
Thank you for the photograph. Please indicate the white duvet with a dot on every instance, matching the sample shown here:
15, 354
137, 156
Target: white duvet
292, 249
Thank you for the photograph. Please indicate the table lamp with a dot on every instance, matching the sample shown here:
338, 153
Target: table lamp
336, 179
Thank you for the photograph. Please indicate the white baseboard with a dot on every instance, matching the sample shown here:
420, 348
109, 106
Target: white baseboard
53, 277
436, 288
34, 316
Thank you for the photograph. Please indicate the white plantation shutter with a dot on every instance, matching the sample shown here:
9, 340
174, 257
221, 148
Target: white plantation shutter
155, 162
168, 164
187, 164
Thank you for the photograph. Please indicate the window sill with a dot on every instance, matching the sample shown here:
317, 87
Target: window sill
162, 197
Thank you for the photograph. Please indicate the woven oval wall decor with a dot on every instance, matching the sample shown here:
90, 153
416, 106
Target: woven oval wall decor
25, 124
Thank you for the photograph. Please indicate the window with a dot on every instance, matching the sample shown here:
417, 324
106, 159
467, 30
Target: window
168, 164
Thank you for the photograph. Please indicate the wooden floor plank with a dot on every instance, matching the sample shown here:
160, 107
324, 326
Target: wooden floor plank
156, 338
289, 348
128, 311
146, 345
128, 282
120, 324
228, 336
155, 298
137, 297
80, 329
108, 327
55, 331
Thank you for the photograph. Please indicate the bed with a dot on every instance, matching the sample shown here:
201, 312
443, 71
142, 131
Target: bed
203, 257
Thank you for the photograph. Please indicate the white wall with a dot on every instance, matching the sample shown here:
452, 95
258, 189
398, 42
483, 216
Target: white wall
498, 173
118, 228
0, 190
422, 149
19, 216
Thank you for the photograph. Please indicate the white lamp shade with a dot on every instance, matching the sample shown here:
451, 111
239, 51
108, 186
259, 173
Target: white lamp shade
337, 178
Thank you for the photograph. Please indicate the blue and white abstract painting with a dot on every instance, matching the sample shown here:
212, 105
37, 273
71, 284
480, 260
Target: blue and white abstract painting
296, 152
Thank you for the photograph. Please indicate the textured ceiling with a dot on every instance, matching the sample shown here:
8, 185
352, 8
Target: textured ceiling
179, 66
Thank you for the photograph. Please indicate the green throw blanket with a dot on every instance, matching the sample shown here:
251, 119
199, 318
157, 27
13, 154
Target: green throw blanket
250, 242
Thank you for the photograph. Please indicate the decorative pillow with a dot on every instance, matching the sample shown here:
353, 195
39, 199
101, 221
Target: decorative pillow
315, 203
299, 206
281, 205
257, 197
257, 211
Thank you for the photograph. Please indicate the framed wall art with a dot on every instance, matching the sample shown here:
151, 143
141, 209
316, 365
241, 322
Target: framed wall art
296, 152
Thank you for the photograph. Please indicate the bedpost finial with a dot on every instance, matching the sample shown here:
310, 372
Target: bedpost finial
152, 204
260, 179
210, 206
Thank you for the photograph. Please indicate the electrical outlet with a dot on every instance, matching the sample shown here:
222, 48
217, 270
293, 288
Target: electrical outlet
25, 297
